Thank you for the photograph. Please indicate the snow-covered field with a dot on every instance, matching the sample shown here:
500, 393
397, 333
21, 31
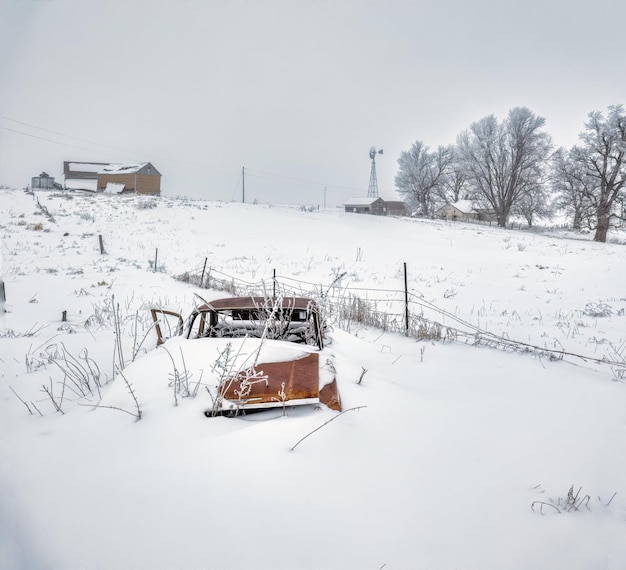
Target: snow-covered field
459, 456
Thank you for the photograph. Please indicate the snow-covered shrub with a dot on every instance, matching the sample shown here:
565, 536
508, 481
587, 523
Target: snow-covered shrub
598, 310
87, 216
146, 204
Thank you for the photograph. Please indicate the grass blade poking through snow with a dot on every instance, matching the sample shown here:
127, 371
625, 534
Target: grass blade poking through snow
326, 422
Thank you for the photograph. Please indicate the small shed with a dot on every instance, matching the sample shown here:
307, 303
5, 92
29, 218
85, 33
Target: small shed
374, 206
141, 178
42, 182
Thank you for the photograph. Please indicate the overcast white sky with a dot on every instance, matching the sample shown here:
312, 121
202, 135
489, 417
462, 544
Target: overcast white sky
296, 91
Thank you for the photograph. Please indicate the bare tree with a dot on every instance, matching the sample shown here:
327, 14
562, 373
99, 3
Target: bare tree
505, 161
421, 175
603, 154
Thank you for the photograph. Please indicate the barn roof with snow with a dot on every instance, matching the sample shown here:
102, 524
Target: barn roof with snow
465, 206
361, 201
138, 168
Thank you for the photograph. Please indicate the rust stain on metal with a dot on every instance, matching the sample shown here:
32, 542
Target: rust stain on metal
301, 378
329, 396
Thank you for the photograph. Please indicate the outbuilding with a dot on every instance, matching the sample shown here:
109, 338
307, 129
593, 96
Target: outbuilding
374, 206
42, 182
395, 208
141, 178
463, 210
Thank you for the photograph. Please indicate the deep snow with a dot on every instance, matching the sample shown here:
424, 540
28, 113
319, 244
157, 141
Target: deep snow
438, 468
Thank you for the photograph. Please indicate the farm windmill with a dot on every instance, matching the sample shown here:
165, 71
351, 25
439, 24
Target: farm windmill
372, 191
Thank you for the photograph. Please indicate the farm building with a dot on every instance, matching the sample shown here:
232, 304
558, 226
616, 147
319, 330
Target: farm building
141, 178
376, 206
395, 208
465, 211
486, 214
43, 182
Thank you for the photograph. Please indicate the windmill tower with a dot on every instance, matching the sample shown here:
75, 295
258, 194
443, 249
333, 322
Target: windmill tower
372, 191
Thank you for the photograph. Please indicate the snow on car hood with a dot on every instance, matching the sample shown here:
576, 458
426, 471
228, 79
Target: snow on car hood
153, 375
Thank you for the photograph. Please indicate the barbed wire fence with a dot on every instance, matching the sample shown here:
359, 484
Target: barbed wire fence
389, 310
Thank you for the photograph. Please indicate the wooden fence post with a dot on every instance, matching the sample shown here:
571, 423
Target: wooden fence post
156, 256
203, 270
101, 244
406, 302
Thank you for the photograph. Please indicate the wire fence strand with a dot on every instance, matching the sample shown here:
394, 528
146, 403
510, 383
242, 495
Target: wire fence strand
347, 307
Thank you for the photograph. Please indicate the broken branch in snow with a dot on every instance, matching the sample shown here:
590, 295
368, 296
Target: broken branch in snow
364, 370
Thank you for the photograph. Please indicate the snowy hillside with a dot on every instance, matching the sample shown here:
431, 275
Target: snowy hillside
461, 452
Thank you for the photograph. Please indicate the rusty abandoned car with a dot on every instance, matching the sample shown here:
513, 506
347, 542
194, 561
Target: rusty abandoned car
277, 348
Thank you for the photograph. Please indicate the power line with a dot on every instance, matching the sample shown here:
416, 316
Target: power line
132, 152
59, 142
66, 136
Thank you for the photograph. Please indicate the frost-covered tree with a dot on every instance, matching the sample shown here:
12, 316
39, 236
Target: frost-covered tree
505, 161
455, 185
572, 185
603, 153
421, 176
534, 205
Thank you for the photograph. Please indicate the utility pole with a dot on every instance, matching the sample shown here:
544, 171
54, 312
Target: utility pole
243, 184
